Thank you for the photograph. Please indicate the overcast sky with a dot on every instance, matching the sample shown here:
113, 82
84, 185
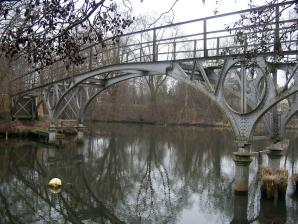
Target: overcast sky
188, 9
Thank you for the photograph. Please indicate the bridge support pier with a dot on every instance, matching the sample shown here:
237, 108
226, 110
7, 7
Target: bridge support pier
275, 155
52, 133
242, 159
80, 133
274, 185
240, 209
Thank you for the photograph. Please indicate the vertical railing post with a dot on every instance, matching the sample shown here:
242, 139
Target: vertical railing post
34, 79
154, 46
174, 51
141, 52
118, 52
90, 58
245, 43
141, 48
194, 48
28, 82
102, 56
277, 44
73, 71
217, 46
205, 37
156, 53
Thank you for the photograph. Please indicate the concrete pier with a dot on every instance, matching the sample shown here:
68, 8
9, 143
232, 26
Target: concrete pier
240, 209
52, 133
274, 155
80, 133
242, 160
274, 179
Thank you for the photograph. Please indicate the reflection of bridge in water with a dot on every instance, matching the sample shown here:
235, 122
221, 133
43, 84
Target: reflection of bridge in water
208, 59
113, 178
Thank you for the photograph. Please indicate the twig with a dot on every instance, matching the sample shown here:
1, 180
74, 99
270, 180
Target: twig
161, 15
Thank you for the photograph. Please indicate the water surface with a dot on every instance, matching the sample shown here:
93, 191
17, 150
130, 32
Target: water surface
137, 174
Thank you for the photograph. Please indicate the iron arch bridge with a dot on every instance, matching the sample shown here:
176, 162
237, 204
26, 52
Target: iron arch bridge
203, 54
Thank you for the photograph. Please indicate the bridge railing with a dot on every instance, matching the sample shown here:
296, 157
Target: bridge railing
204, 38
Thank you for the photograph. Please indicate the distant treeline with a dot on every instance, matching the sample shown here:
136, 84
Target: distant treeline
155, 100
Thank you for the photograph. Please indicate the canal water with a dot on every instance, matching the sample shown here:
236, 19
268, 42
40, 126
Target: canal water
138, 174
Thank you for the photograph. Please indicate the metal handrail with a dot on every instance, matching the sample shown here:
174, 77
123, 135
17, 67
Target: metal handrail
148, 48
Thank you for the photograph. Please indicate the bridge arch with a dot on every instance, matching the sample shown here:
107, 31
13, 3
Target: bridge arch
286, 122
243, 124
276, 98
126, 77
129, 71
288, 115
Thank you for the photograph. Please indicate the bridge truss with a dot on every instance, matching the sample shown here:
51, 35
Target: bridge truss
202, 53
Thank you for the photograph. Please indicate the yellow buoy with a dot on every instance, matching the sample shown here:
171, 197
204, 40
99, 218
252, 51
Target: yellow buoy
55, 190
55, 183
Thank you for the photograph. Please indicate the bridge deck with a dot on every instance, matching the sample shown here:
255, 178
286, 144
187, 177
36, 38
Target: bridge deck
208, 39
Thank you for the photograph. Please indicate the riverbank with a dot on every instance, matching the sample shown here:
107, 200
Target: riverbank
21, 128
199, 124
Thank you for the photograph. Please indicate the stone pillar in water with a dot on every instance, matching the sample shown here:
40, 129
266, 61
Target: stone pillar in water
80, 133
240, 209
274, 180
242, 159
52, 133
275, 154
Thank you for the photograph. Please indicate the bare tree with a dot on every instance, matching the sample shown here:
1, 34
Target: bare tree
43, 31
262, 31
